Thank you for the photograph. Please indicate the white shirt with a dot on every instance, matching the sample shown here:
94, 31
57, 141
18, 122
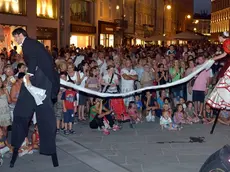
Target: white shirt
128, 84
78, 60
107, 80
84, 80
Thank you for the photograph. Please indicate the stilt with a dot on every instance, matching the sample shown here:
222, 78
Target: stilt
14, 157
215, 122
55, 160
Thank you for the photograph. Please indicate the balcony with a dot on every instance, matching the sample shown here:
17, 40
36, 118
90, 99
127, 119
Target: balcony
80, 17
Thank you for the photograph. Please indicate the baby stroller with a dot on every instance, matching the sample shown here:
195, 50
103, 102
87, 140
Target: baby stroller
119, 109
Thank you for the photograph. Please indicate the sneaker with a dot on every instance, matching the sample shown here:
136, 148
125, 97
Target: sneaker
23, 153
58, 131
72, 131
106, 132
116, 128
66, 132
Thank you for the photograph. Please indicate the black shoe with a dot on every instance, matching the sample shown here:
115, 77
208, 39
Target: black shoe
58, 131
66, 132
72, 132
54, 160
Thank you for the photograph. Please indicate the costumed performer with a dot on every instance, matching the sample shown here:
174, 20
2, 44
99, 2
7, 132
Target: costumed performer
40, 64
220, 96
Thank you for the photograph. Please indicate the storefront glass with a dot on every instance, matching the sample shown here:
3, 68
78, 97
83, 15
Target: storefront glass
6, 38
82, 41
47, 8
13, 7
46, 42
107, 40
80, 11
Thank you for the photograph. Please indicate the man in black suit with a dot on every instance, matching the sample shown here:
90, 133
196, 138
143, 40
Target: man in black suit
40, 64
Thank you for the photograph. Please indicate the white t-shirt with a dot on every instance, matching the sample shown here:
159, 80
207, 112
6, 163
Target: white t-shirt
129, 84
84, 80
107, 80
74, 77
78, 60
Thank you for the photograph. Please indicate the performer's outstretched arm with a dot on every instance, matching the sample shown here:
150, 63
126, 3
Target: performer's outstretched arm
220, 56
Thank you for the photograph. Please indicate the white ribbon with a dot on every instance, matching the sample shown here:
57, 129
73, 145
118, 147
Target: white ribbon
205, 66
38, 93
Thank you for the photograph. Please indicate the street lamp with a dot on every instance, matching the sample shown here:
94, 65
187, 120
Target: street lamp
188, 16
168, 7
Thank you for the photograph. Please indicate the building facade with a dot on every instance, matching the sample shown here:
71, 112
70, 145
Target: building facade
108, 14
39, 17
220, 17
202, 23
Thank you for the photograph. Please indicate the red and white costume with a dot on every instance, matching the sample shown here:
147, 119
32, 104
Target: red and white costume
220, 96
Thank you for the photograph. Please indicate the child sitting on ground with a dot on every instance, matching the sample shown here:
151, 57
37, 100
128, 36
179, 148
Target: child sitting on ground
166, 121
26, 148
180, 116
133, 112
167, 108
35, 138
207, 114
100, 117
224, 117
5, 147
190, 112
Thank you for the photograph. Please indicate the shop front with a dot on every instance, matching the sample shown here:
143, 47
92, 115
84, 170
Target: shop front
47, 36
82, 36
106, 33
6, 38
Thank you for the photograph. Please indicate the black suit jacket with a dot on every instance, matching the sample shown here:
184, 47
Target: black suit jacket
36, 56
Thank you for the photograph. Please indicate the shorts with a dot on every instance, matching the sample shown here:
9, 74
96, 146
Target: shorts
69, 116
82, 98
198, 96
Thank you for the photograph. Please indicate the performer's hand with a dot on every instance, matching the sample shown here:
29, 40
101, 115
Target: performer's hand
28, 79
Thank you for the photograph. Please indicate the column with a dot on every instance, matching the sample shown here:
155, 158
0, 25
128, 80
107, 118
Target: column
65, 20
32, 17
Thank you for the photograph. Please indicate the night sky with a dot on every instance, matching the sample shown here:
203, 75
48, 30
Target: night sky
202, 5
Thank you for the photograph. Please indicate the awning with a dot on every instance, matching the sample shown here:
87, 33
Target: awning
156, 38
187, 35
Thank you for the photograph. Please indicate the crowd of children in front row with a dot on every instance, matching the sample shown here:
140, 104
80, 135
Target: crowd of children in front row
144, 107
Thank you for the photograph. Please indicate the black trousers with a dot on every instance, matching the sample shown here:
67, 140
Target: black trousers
46, 120
98, 122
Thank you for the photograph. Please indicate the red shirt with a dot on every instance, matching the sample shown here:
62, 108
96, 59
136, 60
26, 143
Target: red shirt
69, 98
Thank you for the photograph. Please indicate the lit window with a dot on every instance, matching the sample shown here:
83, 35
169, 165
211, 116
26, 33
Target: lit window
13, 6
47, 8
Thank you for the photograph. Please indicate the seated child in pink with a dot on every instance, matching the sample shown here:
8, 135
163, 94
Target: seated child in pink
133, 112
